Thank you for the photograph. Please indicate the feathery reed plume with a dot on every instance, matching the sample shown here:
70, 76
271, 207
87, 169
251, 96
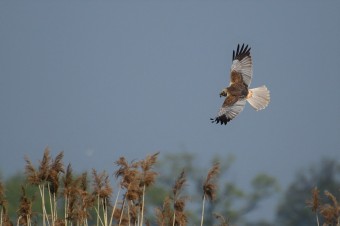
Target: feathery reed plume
44, 167
4, 218
103, 191
56, 168
86, 200
130, 181
331, 213
25, 209
79, 200
68, 179
123, 166
2, 196
101, 185
314, 203
331, 197
179, 217
179, 184
165, 214
210, 186
31, 173
39, 177
67, 182
222, 220
47, 175
148, 178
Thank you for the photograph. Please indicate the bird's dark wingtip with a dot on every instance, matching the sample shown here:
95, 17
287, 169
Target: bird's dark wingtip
241, 52
223, 120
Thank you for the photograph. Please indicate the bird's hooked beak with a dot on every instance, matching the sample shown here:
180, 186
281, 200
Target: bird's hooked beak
223, 93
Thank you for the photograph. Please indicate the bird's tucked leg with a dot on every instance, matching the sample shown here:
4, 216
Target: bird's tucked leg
250, 94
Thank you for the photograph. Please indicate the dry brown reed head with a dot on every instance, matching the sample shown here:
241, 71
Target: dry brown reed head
133, 212
25, 208
101, 185
149, 176
123, 166
314, 203
210, 185
331, 197
149, 161
181, 219
68, 180
87, 199
2, 195
331, 213
164, 214
121, 217
3, 207
6, 221
59, 222
179, 202
44, 167
80, 200
31, 173
127, 172
222, 220
133, 191
55, 169
179, 184
83, 182
48, 171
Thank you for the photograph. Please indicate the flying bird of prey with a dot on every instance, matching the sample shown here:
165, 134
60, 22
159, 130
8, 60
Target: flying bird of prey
238, 92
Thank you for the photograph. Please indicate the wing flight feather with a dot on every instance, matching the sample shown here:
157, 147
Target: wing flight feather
242, 64
229, 110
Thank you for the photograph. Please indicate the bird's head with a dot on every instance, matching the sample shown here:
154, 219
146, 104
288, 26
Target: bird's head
223, 92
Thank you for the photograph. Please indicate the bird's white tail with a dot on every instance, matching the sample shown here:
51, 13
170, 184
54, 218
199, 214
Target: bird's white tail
259, 97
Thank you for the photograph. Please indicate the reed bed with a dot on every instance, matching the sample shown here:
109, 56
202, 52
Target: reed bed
328, 209
66, 199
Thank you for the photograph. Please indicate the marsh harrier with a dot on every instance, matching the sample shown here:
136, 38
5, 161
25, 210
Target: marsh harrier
238, 92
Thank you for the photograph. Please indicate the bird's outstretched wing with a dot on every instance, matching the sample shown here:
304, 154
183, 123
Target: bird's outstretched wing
242, 66
231, 107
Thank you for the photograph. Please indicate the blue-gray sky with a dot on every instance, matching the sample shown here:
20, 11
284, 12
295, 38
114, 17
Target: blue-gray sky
102, 79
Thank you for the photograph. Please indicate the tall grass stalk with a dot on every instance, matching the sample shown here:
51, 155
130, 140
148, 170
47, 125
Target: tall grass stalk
104, 206
203, 204
98, 210
142, 211
52, 205
65, 209
122, 211
101, 222
1, 213
42, 195
128, 210
114, 207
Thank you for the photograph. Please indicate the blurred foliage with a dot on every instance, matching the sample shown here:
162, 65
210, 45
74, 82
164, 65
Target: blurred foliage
13, 193
293, 209
232, 202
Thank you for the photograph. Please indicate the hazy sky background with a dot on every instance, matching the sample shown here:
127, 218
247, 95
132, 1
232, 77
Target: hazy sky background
103, 79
